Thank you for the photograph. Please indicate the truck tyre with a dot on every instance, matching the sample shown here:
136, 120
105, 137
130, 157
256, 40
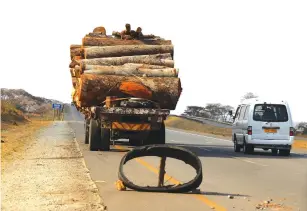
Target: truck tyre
94, 135
105, 139
284, 152
86, 131
247, 148
156, 136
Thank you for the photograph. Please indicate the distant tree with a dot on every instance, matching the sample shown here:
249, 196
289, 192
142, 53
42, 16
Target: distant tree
197, 111
214, 109
249, 95
302, 126
225, 111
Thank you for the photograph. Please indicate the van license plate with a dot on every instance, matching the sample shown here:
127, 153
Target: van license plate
270, 130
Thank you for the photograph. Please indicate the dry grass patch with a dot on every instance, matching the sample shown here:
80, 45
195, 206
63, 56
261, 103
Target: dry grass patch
16, 138
190, 125
300, 144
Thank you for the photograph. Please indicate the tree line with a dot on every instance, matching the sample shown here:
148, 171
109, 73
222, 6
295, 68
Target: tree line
215, 111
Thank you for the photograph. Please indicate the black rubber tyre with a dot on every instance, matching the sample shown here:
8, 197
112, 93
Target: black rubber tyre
87, 131
236, 147
156, 136
105, 139
247, 149
284, 152
274, 151
94, 135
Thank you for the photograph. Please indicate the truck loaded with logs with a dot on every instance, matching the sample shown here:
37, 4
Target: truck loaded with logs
125, 84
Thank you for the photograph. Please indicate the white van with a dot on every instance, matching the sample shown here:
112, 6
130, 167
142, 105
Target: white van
263, 124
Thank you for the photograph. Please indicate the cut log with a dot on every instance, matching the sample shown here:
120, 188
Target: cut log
74, 63
131, 71
74, 81
74, 46
97, 41
75, 52
156, 59
127, 65
72, 72
100, 29
77, 58
125, 50
97, 34
93, 89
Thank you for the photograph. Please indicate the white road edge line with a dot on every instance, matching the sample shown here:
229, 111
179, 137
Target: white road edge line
248, 161
193, 134
209, 150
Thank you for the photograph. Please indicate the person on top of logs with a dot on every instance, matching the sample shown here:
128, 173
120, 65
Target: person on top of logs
139, 33
126, 33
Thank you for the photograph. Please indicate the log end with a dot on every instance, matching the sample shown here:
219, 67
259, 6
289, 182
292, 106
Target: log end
100, 30
135, 89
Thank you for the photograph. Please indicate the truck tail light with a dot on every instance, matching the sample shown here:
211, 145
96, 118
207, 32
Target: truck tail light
291, 131
249, 130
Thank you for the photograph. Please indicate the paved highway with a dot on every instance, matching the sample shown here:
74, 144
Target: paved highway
251, 179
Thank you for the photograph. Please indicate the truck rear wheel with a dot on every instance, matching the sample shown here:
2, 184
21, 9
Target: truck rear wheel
156, 136
105, 139
94, 135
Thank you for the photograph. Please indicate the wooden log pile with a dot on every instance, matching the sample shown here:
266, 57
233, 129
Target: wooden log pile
127, 64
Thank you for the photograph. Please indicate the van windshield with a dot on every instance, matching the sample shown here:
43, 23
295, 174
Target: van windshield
270, 113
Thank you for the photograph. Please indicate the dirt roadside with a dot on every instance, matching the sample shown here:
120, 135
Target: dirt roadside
15, 139
49, 175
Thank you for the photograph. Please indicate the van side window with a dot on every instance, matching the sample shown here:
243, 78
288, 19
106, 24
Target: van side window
237, 112
242, 112
246, 113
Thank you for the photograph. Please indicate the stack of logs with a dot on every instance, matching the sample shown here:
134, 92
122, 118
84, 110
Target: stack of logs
108, 66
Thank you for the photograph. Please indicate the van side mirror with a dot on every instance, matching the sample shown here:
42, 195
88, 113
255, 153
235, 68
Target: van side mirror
230, 112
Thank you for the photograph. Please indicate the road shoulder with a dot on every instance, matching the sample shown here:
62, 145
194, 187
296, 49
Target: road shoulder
51, 176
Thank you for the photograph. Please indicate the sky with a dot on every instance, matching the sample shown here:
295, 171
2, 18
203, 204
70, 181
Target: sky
223, 49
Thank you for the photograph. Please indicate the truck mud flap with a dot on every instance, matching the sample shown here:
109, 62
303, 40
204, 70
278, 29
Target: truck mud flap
163, 151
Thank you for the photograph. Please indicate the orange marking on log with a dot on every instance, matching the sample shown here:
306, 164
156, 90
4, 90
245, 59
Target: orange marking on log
135, 90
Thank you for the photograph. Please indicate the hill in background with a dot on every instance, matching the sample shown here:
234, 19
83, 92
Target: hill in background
17, 105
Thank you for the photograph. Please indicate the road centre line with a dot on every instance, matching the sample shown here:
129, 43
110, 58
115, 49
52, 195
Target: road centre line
202, 198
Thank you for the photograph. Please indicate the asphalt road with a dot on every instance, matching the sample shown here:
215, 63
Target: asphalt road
251, 179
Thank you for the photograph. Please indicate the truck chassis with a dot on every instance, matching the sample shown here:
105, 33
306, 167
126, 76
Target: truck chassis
106, 124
